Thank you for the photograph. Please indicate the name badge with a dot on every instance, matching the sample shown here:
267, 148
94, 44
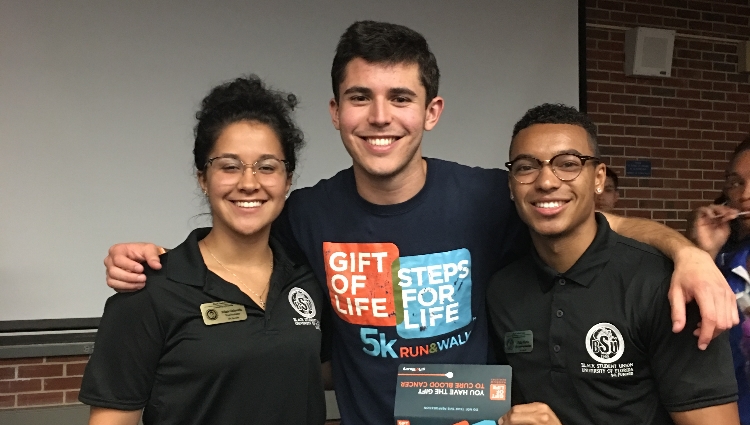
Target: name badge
519, 342
222, 312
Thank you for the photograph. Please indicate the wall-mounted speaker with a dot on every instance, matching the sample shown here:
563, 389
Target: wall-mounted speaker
648, 52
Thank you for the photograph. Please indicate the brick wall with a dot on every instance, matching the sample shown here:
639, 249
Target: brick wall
688, 124
40, 381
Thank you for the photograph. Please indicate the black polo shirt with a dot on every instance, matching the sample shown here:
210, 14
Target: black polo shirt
603, 347
154, 351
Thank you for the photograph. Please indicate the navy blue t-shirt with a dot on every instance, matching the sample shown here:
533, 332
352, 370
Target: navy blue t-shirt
406, 282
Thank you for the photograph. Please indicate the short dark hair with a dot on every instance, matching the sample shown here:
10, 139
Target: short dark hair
557, 113
246, 99
385, 43
612, 175
742, 147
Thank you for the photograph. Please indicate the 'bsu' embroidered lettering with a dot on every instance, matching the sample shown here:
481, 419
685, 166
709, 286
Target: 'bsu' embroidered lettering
423, 295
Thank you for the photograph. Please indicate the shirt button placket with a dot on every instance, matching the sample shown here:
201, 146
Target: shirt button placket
557, 326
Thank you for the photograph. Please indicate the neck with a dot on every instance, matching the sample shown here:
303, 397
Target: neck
393, 189
239, 250
562, 251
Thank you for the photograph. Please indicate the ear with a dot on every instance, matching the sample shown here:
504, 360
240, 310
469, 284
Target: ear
201, 176
288, 183
434, 110
333, 108
600, 177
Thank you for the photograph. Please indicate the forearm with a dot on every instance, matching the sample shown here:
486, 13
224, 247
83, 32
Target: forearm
725, 414
669, 241
104, 416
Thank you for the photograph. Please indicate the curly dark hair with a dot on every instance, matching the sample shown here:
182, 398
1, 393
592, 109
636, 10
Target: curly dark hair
385, 43
557, 113
246, 99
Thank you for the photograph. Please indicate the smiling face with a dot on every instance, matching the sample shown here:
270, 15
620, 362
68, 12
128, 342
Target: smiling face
551, 207
243, 205
737, 188
381, 116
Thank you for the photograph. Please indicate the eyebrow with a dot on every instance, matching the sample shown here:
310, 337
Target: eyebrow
260, 158
396, 91
562, 152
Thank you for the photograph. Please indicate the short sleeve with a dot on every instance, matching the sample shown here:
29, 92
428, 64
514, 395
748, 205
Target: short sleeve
687, 378
120, 373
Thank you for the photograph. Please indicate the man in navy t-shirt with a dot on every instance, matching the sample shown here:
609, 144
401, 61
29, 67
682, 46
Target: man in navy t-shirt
405, 245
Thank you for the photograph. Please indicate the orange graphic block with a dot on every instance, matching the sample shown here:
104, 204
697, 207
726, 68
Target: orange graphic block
497, 392
360, 281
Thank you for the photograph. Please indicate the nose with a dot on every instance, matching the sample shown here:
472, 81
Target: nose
547, 180
248, 180
380, 114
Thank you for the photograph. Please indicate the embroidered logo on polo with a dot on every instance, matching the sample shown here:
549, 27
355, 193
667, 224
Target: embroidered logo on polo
422, 296
303, 304
605, 345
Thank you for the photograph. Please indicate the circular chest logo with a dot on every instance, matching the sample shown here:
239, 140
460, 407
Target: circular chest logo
604, 343
211, 314
302, 302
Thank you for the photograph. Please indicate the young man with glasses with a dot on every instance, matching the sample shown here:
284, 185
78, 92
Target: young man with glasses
583, 317
406, 254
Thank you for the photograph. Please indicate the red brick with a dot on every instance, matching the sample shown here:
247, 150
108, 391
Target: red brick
638, 152
25, 385
675, 122
651, 121
663, 153
650, 204
637, 193
713, 115
700, 125
675, 103
39, 399
701, 85
74, 369
62, 383
676, 184
689, 154
623, 119
700, 104
40, 371
663, 215
9, 362
664, 194
649, 142
701, 165
714, 135
71, 397
714, 76
636, 89
7, 373
666, 174
701, 184
624, 99
637, 131
650, 101
689, 194
638, 110
663, 132
725, 106
713, 175
7, 401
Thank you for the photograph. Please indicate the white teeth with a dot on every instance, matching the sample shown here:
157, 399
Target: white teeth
251, 204
381, 141
548, 204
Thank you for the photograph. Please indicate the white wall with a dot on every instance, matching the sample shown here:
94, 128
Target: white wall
97, 100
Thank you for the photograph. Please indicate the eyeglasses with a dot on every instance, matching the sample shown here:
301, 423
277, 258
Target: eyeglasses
565, 166
267, 171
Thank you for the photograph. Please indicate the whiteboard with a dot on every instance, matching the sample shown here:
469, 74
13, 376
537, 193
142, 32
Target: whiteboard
97, 104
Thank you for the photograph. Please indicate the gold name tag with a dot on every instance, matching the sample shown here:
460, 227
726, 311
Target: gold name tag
222, 312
